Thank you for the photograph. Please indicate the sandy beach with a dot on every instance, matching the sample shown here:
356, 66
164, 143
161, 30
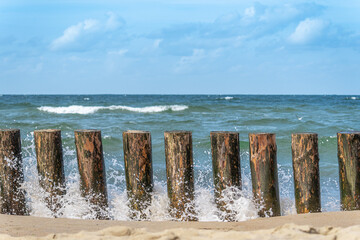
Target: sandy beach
330, 225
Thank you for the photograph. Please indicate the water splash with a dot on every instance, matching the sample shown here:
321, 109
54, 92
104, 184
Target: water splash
238, 202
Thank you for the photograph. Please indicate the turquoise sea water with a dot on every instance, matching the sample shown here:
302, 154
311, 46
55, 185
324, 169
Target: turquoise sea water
113, 114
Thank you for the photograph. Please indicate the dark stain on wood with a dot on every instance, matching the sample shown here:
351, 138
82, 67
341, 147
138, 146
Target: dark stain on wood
50, 166
305, 159
138, 171
92, 170
264, 174
349, 169
180, 174
12, 197
225, 151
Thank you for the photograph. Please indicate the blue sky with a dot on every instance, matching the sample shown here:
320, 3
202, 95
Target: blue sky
179, 47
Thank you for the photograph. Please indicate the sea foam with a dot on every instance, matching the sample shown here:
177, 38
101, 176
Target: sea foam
78, 109
228, 98
352, 98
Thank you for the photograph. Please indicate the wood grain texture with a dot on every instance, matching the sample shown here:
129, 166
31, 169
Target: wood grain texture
349, 169
12, 197
92, 170
225, 149
264, 174
138, 171
50, 166
305, 159
180, 174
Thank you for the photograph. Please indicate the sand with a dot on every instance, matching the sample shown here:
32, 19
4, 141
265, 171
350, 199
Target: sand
332, 225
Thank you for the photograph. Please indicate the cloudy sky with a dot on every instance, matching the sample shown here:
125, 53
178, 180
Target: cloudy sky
180, 46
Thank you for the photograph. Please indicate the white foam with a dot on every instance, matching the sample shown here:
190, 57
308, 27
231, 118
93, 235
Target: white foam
228, 98
78, 109
238, 202
352, 98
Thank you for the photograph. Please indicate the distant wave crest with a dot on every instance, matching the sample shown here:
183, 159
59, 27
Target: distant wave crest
78, 109
228, 98
352, 98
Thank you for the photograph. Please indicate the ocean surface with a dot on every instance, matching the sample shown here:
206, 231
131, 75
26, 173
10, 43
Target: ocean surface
113, 114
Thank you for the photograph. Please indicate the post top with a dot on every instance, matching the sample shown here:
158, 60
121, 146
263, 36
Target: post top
261, 134
304, 133
10, 130
47, 130
177, 132
223, 132
349, 133
136, 131
86, 130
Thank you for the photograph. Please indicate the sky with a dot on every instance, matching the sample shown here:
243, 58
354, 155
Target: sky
179, 47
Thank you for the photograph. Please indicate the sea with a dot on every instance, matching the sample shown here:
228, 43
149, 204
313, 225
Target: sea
112, 114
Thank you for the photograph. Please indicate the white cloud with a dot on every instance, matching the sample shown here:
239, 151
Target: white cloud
197, 55
186, 62
308, 30
72, 33
75, 33
113, 22
249, 12
197, 60
257, 26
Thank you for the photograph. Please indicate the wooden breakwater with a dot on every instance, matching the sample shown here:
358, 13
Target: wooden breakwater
225, 148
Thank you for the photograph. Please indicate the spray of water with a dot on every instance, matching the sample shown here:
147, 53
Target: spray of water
238, 202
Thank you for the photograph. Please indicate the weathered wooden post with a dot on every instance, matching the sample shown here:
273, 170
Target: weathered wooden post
12, 197
138, 171
92, 170
225, 148
50, 166
305, 159
180, 174
349, 169
264, 173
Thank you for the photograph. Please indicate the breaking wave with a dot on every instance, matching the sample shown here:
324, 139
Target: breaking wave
78, 109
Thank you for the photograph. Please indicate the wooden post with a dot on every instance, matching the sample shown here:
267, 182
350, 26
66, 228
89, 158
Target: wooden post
12, 197
349, 169
264, 173
92, 170
50, 166
225, 150
305, 158
180, 174
138, 171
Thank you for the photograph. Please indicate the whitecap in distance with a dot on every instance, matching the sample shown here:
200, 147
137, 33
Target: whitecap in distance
228, 98
78, 109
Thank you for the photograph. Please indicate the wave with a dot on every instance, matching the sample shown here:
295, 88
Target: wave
78, 109
352, 98
228, 98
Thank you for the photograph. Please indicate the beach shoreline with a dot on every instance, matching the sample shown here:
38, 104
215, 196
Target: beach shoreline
17, 226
